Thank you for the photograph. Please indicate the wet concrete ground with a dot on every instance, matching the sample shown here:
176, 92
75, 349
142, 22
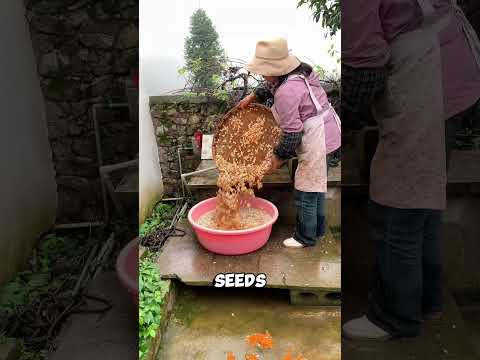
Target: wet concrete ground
208, 323
9, 349
469, 304
471, 315
107, 336
449, 338
316, 267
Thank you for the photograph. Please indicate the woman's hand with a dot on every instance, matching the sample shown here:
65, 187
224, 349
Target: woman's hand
276, 164
246, 101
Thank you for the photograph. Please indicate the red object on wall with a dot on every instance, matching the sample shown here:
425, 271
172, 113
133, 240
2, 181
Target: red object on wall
198, 138
135, 79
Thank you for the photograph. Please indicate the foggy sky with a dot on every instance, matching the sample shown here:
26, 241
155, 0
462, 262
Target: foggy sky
240, 24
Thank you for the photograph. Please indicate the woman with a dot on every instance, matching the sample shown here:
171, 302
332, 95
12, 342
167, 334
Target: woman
301, 108
415, 63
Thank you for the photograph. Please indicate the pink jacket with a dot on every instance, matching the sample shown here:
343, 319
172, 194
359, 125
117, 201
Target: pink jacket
293, 103
369, 26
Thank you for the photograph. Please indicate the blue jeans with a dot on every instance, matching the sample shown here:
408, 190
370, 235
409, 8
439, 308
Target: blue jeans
310, 217
407, 277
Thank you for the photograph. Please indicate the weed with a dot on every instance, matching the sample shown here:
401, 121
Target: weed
160, 217
152, 295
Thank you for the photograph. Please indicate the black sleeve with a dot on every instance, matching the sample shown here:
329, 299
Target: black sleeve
263, 94
289, 143
360, 87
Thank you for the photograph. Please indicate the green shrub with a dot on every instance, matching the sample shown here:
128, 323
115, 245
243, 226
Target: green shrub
160, 218
152, 295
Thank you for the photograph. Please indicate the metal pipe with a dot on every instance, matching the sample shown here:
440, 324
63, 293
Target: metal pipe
179, 156
198, 171
180, 168
96, 106
184, 185
85, 270
100, 161
110, 168
178, 214
110, 105
103, 253
78, 225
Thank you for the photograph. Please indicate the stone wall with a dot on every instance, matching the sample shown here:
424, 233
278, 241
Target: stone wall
85, 53
175, 120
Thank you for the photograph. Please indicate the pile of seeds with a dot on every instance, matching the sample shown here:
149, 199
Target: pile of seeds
243, 149
249, 217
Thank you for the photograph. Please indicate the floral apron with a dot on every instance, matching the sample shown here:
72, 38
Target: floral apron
409, 166
311, 173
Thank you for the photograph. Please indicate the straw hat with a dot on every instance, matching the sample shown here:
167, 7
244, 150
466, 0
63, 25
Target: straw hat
272, 58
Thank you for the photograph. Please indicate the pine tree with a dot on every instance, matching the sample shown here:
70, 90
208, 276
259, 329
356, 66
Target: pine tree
204, 56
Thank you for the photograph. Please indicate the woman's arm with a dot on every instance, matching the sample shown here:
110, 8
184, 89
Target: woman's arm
288, 145
360, 87
262, 94
365, 54
287, 105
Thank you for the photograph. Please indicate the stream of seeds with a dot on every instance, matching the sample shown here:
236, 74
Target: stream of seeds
243, 153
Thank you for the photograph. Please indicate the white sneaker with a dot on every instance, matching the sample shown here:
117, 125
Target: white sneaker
364, 329
292, 243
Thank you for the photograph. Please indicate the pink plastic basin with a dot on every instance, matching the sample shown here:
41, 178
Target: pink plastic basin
127, 268
232, 242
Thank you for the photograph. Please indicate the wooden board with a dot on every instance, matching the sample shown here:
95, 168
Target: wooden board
464, 168
278, 178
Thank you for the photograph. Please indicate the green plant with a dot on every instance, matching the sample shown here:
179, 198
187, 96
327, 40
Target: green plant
53, 269
327, 10
152, 295
320, 71
221, 95
53, 252
53, 248
161, 214
26, 354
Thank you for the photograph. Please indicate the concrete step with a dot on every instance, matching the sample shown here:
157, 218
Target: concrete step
208, 323
315, 268
309, 297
